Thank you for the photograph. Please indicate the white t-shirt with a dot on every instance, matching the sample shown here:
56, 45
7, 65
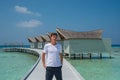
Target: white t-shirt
52, 54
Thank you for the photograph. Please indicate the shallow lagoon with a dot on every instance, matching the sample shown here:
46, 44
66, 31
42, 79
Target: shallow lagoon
15, 65
99, 69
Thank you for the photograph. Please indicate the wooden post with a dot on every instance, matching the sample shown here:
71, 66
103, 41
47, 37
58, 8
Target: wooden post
74, 56
110, 55
100, 55
90, 55
82, 55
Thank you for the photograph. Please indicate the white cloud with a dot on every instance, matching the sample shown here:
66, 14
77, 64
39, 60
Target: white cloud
30, 23
24, 10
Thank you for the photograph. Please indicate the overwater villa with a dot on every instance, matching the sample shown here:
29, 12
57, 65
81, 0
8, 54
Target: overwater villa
40, 42
78, 44
33, 42
45, 38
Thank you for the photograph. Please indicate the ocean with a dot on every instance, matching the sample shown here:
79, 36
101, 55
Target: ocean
15, 65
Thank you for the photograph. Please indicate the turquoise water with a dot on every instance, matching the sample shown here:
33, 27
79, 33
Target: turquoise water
99, 69
15, 65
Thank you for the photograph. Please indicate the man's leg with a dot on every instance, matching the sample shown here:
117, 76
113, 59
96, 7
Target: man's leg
58, 73
49, 73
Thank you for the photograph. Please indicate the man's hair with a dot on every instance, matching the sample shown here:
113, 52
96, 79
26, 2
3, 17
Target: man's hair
53, 34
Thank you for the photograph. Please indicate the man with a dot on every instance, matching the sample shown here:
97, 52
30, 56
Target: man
52, 58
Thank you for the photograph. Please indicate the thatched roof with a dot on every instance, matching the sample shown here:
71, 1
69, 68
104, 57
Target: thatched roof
32, 40
67, 34
58, 37
39, 39
45, 37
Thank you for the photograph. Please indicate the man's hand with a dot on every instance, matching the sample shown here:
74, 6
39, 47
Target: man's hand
43, 60
61, 58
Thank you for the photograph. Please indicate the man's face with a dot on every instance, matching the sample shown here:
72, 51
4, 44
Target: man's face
53, 38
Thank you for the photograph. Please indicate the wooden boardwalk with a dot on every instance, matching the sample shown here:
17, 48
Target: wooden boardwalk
69, 73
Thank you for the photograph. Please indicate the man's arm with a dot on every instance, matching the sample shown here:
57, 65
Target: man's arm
61, 58
43, 59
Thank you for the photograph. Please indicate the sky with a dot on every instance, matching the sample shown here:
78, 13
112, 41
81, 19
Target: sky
21, 19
